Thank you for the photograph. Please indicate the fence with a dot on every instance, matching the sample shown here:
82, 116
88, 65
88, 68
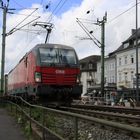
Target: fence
59, 125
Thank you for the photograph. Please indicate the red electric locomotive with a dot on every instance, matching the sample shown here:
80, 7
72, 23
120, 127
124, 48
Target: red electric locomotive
50, 71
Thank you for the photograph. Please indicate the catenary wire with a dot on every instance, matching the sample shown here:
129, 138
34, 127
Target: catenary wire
12, 31
88, 21
22, 21
24, 15
87, 32
110, 20
59, 9
52, 12
18, 4
122, 13
55, 10
51, 18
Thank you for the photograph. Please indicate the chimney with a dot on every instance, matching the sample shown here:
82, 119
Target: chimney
133, 31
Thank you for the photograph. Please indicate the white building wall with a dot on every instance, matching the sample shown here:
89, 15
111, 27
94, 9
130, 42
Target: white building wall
85, 77
84, 82
126, 68
110, 71
98, 72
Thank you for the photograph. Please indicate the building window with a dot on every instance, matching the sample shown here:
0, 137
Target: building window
113, 79
125, 59
125, 45
120, 77
109, 79
138, 41
135, 42
120, 61
113, 66
89, 84
90, 66
105, 68
90, 75
125, 76
132, 59
99, 69
131, 42
132, 75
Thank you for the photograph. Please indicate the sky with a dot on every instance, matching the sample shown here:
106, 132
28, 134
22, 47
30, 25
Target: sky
63, 14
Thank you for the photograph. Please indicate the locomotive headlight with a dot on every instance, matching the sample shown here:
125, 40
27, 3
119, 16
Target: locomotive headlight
37, 76
78, 79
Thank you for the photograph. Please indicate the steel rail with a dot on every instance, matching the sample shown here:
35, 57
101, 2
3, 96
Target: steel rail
103, 114
133, 111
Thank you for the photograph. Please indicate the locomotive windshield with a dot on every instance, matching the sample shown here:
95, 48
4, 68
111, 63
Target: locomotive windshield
58, 56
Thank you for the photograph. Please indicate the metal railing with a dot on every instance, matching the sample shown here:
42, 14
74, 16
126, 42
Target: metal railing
69, 126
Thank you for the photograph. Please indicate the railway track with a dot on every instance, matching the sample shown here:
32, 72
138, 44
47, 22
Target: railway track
83, 122
120, 117
134, 120
123, 110
116, 114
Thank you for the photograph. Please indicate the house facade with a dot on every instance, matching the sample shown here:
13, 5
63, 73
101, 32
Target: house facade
126, 68
126, 62
88, 68
119, 66
109, 70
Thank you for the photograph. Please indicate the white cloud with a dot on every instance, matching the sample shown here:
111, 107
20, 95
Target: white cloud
67, 31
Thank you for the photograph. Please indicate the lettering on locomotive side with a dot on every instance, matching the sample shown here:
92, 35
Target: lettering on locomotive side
60, 72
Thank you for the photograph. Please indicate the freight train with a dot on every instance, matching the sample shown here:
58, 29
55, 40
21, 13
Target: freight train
48, 71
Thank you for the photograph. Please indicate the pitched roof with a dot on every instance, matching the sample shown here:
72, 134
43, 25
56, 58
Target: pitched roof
130, 38
90, 59
133, 36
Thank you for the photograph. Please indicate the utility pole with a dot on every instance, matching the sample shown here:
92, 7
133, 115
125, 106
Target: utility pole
137, 67
102, 24
98, 43
3, 49
5, 9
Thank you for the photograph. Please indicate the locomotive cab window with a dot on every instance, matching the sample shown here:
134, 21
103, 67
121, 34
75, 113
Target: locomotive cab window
57, 56
48, 55
67, 56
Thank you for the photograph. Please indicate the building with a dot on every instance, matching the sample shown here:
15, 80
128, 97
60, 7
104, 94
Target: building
126, 62
120, 69
88, 67
110, 71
